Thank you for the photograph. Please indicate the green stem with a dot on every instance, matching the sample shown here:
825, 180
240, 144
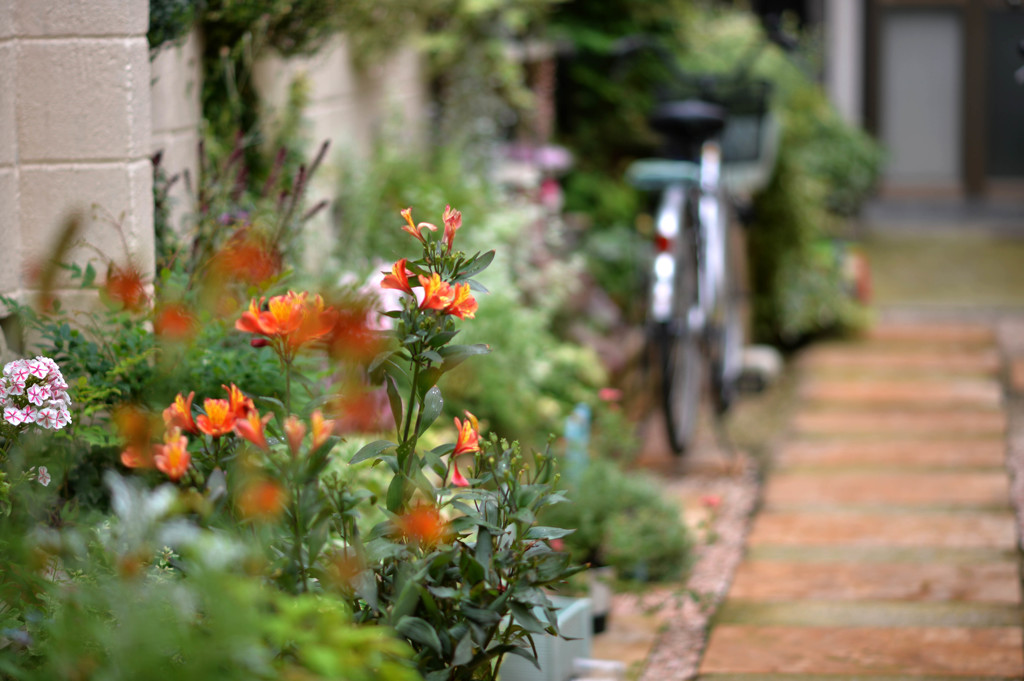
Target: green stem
412, 402
286, 365
297, 539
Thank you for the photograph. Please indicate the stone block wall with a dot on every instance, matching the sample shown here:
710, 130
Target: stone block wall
175, 91
82, 110
75, 133
350, 108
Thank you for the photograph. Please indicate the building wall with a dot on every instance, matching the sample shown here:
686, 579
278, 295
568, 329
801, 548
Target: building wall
82, 109
75, 135
175, 89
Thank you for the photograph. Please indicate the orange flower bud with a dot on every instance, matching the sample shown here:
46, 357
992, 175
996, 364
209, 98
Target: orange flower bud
294, 431
262, 500
423, 525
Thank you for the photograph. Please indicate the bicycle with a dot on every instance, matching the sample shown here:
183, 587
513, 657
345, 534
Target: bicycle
695, 324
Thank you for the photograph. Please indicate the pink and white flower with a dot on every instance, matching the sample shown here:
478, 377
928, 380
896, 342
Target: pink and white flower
14, 416
37, 394
33, 391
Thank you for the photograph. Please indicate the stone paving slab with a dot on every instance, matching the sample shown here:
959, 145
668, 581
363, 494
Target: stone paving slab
854, 677
928, 392
956, 529
833, 613
879, 423
985, 452
958, 334
1017, 375
981, 582
918, 651
944, 489
886, 547
868, 361
883, 554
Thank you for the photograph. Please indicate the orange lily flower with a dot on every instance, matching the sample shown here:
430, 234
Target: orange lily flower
240, 404
172, 458
252, 428
412, 228
452, 221
468, 439
127, 286
219, 418
136, 457
437, 294
262, 500
248, 257
179, 414
457, 478
174, 322
463, 304
294, 431
290, 321
398, 278
423, 525
322, 428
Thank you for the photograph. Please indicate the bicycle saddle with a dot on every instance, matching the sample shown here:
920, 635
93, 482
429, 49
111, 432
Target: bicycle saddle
691, 118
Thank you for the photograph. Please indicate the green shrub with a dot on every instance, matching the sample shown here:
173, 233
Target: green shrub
621, 519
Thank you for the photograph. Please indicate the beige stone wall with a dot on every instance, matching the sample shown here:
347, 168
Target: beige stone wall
82, 109
177, 113
74, 132
351, 108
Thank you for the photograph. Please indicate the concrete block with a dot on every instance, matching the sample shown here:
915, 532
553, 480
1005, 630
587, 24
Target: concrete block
329, 72
176, 86
82, 99
105, 195
180, 152
6, 19
10, 236
8, 143
40, 18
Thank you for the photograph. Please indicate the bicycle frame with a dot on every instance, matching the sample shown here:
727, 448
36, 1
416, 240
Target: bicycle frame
680, 183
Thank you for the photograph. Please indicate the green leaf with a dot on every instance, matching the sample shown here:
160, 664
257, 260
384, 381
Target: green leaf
477, 264
525, 618
433, 404
395, 400
372, 450
379, 360
463, 651
480, 615
443, 591
454, 355
396, 493
541, 532
484, 550
89, 277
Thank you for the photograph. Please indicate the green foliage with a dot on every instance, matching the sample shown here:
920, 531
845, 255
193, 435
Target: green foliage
605, 97
170, 21
372, 192
117, 603
533, 379
621, 519
825, 170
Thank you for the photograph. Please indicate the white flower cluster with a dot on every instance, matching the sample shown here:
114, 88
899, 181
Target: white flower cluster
34, 391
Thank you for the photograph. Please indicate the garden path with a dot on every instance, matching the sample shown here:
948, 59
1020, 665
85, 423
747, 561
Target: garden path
886, 544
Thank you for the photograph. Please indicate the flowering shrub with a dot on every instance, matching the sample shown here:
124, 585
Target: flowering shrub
33, 391
446, 551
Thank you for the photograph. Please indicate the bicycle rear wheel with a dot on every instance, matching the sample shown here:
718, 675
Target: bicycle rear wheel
680, 343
